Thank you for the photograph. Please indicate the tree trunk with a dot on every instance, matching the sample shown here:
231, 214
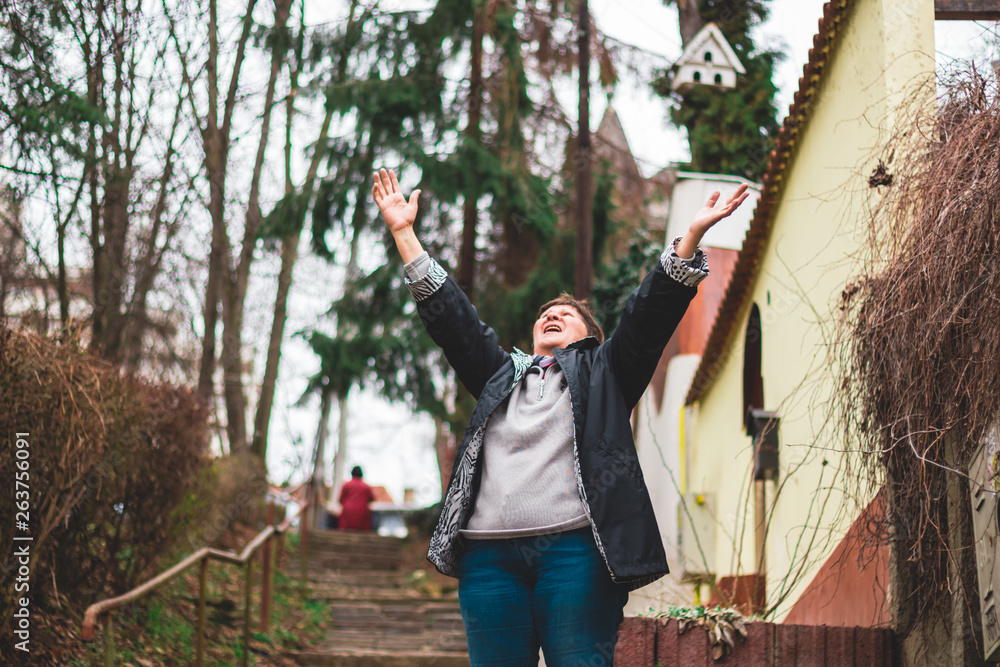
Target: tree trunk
690, 20
358, 221
95, 84
582, 162
466, 275
236, 286
319, 459
444, 449
520, 252
117, 184
340, 458
149, 265
289, 254
215, 141
61, 269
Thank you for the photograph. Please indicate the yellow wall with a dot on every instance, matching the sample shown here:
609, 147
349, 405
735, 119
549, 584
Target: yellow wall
887, 47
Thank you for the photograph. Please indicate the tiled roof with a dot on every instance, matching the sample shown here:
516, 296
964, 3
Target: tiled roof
742, 280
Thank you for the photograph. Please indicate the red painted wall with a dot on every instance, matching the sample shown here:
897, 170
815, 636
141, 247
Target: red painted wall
850, 588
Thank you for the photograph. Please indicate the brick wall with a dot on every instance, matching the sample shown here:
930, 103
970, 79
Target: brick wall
648, 642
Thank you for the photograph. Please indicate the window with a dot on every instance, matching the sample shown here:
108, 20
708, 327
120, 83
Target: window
718, 79
708, 56
753, 382
697, 76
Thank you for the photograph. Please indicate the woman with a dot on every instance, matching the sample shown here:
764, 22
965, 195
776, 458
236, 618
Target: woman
355, 496
547, 522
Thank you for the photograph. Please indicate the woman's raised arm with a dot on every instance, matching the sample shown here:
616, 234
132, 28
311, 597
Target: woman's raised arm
450, 318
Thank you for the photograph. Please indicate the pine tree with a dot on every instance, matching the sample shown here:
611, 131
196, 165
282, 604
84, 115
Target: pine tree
405, 110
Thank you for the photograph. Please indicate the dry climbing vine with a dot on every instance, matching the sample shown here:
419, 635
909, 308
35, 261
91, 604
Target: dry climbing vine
920, 343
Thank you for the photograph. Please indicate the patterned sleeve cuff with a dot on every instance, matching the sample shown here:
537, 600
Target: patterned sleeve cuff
424, 277
688, 272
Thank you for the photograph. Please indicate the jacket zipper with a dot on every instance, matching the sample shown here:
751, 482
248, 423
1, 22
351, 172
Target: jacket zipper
580, 488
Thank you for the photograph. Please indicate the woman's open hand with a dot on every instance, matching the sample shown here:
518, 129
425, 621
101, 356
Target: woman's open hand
707, 217
398, 213
711, 213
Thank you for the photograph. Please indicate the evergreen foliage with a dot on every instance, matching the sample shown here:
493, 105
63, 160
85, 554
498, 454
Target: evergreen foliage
39, 109
404, 108
620, 279
730, 131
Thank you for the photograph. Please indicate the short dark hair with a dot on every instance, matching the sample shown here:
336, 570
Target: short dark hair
581, 306
356, 472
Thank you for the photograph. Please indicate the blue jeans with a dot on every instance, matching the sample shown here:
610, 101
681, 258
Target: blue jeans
552, 591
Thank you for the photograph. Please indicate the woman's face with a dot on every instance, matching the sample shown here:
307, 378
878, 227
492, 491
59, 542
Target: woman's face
557, 327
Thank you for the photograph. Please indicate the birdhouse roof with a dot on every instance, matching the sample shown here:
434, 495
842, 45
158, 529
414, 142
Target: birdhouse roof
710, 33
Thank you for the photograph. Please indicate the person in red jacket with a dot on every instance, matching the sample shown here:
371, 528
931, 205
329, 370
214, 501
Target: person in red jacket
354, 498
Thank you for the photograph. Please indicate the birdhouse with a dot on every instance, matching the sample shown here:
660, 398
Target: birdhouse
708, 60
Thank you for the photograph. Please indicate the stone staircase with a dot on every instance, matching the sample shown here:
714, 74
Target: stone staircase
377, 618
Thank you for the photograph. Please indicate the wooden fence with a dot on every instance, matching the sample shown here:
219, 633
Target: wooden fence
651, 642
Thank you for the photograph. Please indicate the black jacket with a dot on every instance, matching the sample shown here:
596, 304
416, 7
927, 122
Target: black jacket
605, 382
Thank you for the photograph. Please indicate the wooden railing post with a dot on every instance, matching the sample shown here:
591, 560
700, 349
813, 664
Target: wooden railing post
304, 534
265, 577
247, 588
202, 593
109, 642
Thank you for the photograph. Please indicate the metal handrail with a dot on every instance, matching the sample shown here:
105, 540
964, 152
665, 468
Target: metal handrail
101, 611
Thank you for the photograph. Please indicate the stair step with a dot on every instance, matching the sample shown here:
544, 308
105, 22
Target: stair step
406, 636
370, 658
343, 562
389, 623
360, 591
399, 644
362, 577
332, 574
402, 603
352, 538
354, 550
355, 559
339, 594
378, 616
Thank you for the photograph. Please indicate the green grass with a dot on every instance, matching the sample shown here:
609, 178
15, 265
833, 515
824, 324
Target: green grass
166, 628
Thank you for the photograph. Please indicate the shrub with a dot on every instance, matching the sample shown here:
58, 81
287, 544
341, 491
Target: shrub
111, 458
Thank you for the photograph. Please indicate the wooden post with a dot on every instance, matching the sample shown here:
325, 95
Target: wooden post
966, 10
760, 542
247, 588
109, 641
202, 593
266, 574
304, 536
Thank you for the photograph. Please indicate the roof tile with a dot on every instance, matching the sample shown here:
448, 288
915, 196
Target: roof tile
741, 281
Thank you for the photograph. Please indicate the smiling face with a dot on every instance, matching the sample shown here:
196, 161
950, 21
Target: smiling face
557, 326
